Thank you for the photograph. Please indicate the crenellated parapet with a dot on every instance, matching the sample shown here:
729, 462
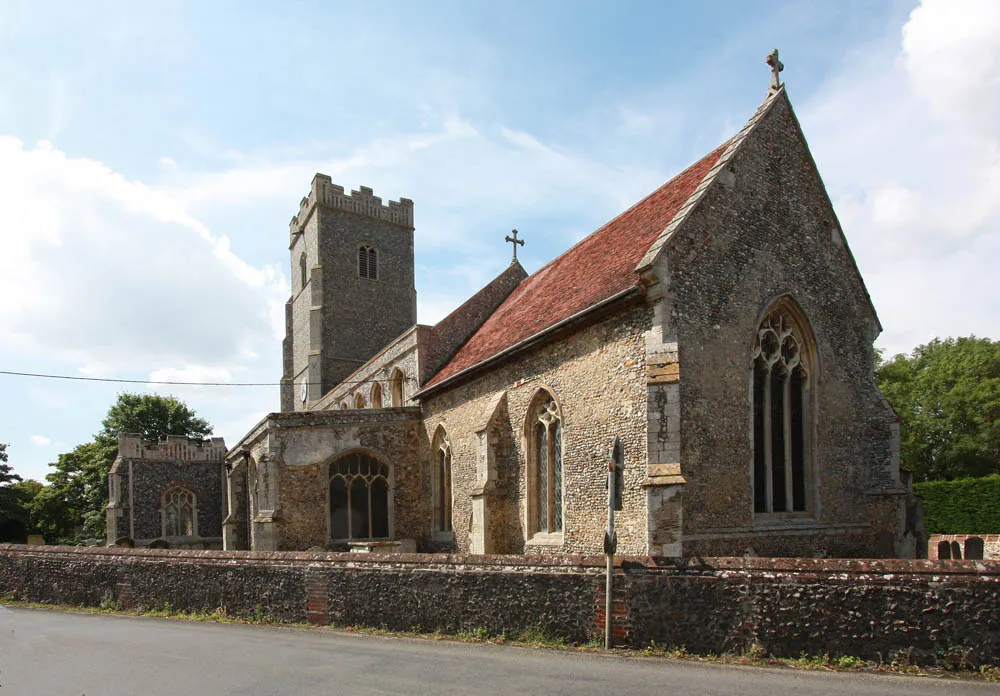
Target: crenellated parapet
363, 202
175, 447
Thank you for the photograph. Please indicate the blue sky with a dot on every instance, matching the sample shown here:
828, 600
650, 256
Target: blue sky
151, 155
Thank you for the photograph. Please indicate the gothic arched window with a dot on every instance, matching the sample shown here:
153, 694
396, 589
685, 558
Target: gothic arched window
544, 438
179, 513
396, 387
781, 413
359, 400
441, 482
303, 271
359, 498
367, 262
376, 395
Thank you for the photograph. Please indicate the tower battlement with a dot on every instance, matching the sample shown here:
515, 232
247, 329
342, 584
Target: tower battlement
132, 446
362, 202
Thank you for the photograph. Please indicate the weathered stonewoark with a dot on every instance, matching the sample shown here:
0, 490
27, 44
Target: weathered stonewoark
923, 611
719, 329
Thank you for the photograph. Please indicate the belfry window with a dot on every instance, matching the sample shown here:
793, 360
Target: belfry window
442, 483
781, 415
359, 498
179, 513
367, 262
545, 460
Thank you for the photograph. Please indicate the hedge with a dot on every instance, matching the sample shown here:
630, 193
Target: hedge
962, 506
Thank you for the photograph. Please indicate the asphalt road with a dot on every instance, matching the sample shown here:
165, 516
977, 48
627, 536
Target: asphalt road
49, 653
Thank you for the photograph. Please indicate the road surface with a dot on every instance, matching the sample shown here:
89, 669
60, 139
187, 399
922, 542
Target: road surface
50, 653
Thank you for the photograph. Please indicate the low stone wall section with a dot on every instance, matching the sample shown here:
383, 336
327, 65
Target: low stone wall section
923, 611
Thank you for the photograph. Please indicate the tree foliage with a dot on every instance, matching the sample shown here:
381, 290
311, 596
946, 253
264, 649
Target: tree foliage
947, 396
74, 501
12, 517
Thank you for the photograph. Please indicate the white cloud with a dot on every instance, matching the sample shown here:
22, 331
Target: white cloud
102, 270
910, 151
40, 440
191, 374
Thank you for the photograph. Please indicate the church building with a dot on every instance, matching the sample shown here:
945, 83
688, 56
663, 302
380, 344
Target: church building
719, 330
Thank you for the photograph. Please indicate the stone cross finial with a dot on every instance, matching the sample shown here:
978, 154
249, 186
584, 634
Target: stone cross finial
514, 242
776, 67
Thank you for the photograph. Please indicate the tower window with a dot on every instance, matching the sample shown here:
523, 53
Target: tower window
303, 271
367, 262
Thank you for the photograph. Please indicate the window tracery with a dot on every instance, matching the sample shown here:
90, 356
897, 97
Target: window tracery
359, 498
545, 457
179, 513
781, 415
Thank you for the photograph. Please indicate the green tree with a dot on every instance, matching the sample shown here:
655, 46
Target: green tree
75, 499
947, 396
12, 514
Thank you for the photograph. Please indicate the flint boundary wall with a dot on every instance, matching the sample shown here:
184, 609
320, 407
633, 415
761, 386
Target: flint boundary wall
867, 608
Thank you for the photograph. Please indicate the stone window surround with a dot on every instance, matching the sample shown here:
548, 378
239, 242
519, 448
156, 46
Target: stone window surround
397, 387
325, 469
303, 271
537, 537
442, 448
802, 331
375, 397
192, 501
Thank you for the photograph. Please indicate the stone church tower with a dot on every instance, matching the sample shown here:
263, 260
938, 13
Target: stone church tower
352, 287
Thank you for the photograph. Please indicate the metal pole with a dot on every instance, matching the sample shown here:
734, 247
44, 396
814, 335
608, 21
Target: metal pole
610, 544
609, 580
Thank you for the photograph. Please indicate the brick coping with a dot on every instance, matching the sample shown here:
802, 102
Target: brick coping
589, 564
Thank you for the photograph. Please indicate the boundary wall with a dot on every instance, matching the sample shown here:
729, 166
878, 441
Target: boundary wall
918, 610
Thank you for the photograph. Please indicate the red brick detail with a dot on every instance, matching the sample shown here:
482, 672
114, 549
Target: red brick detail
125, 595
317, 587
595, 269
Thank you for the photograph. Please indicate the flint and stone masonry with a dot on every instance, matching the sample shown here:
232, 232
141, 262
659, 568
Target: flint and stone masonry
923, 612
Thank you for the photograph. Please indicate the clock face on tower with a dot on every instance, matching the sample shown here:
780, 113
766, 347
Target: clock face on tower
304, 390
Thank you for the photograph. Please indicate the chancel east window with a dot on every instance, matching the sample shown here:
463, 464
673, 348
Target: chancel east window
179, 513
442, 483
781, 415
545, 458
367, 262
359, 498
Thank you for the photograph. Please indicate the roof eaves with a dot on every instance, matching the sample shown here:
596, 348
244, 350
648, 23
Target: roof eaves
656, 248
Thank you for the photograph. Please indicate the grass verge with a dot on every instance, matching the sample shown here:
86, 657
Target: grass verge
538, 637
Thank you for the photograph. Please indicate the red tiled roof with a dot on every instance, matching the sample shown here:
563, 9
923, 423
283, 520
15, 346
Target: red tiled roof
595, 269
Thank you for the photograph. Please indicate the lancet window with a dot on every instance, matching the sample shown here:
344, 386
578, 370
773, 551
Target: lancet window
545, 459
376, 395
442, 483
781, 415
367, 262
359, 498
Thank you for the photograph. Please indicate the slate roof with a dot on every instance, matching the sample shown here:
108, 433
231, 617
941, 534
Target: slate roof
595, 269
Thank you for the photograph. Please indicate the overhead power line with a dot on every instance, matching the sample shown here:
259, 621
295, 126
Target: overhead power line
78, 378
